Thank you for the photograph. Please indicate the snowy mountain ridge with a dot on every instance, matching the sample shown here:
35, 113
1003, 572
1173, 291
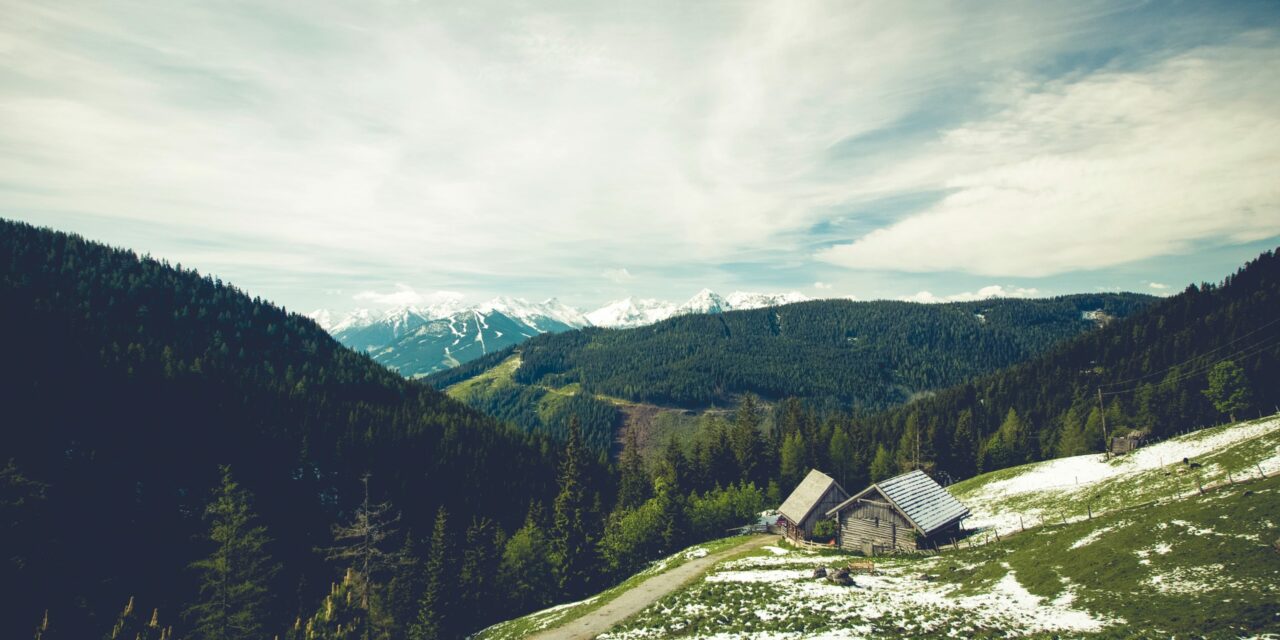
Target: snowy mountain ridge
625, 313
419, 340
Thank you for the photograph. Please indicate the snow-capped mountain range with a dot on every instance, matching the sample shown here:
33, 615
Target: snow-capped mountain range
419, 340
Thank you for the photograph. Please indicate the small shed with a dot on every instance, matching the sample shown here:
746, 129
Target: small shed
1121, 445
904, 513
809, 503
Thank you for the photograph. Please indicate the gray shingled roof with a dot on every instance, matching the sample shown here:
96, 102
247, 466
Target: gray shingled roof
924, 502
806, 496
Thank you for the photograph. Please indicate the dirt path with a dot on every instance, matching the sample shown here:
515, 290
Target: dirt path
643, 595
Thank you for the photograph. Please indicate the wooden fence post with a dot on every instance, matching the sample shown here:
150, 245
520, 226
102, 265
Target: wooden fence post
1260, 472
1021, 524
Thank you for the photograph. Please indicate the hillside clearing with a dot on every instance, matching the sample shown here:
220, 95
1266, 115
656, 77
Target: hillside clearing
1189, 568
1070, 488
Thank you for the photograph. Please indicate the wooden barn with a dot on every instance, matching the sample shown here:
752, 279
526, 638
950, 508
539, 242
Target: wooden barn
808, 504
903, 513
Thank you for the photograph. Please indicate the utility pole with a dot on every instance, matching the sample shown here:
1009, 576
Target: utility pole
1106, 442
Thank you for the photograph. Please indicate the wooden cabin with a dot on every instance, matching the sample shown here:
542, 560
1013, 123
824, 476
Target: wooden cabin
808, 504
1121, 445
904, 513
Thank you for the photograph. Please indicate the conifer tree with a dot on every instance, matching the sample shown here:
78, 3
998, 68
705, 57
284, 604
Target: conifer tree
235, 579
841, 452
881, 465
526, 565
793, 464
1228, 389
745, 439
964, 447
480, 557
361, 545
570, 542
633, 483
434, 608
404, 590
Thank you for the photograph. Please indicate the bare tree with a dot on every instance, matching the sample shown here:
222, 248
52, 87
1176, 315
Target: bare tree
361, 544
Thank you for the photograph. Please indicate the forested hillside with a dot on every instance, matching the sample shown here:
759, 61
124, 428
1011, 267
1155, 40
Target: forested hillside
125, 385
835, 354
867, 354
1198, 358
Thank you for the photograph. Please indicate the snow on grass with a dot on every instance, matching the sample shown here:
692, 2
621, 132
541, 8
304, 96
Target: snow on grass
1011, 499
1189, 580
758, 575
777, 551
751, 598
1095, 534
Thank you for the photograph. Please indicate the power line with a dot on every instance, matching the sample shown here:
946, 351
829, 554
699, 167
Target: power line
1246, 352
1196, 357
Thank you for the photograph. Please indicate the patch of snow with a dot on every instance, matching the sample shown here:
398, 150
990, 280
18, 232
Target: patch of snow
1095, 534
1077, 474
777, 551
758, 575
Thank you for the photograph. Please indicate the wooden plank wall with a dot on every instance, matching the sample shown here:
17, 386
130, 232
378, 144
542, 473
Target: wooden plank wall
873, 528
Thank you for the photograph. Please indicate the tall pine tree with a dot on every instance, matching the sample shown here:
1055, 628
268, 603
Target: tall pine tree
235, 579
570, 541
434, 608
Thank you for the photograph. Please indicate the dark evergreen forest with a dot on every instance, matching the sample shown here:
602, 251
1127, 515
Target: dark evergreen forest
128, 382
837, 353
1153, 371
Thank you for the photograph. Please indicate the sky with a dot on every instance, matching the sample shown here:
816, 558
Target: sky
339, 154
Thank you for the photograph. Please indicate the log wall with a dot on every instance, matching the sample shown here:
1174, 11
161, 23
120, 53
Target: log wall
874, 528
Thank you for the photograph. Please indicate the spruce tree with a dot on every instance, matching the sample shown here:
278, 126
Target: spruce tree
434, 608
841, 452
793, 464
570, 543
881, 465
405, 588
633, 483
748, 446
234, 580
526, 566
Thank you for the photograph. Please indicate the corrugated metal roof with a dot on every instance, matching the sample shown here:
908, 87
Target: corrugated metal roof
924, 502
806, 496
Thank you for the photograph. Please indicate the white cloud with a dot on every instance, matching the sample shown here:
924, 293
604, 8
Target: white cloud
405, 296
618, 276
358, 144
1097, 171
821, 285
1157, 285
990, 291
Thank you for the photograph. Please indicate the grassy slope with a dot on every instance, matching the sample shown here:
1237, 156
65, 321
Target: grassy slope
565, 613
1072, 487
1158, 559
656, 425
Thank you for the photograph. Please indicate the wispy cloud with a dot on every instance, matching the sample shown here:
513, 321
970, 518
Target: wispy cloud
1096, 171
404, 295
821, 285
517, 148
618, 276
991, 291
